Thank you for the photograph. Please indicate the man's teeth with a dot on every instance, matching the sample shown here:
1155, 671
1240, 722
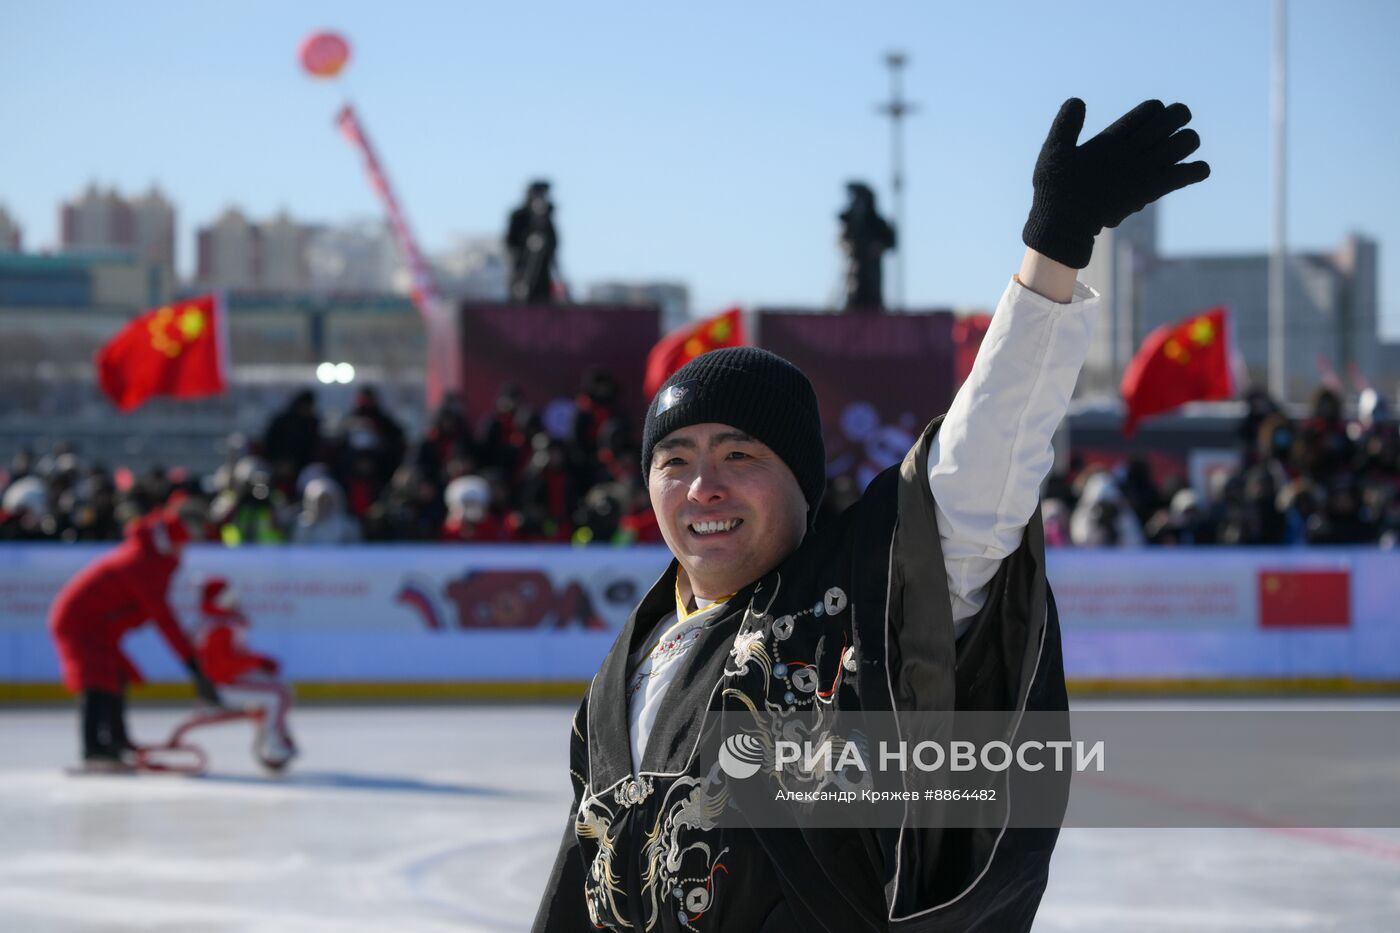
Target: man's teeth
709, 528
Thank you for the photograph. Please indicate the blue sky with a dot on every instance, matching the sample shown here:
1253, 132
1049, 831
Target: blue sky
707, 143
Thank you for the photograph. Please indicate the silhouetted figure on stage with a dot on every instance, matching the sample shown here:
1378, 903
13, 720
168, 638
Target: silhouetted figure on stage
864, 238
532, 242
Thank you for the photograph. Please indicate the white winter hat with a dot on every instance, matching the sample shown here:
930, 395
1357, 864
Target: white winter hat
468, 495
27, 494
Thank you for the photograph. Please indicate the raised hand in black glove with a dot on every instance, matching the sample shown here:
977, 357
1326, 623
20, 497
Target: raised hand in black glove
1079, 190
203, 687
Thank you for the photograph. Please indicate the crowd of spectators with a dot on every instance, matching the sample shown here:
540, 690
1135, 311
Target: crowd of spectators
504, 479
1323, 479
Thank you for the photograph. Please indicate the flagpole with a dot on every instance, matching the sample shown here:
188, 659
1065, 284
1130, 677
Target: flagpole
1278, 386
897, 109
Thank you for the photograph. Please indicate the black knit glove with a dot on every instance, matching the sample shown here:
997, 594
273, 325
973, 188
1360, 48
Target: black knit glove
203, 687
1079, 190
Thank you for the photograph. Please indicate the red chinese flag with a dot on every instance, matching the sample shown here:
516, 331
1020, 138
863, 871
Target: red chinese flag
1304, 599
680, 347
967, 340
176, 351
1178, 363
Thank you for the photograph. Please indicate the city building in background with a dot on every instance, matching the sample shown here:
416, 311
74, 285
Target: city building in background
226, 252
1331, 324
673, 298
107, 222
283, 254
234, 252
475, 268
49, 287
11, 239
361, 257
357, 256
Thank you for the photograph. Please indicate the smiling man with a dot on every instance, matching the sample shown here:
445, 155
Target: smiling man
929, 594
727, 504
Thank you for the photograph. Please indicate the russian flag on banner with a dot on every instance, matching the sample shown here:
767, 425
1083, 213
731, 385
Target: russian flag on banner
1291, 598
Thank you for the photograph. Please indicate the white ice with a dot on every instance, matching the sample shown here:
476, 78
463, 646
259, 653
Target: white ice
434, 819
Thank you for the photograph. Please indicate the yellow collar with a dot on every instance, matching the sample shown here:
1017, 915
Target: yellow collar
682, 613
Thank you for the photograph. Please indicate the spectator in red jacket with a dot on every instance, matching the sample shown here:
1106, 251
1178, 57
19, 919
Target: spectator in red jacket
246, 679
120, 591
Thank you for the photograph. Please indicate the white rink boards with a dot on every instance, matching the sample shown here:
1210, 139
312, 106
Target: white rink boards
436, 819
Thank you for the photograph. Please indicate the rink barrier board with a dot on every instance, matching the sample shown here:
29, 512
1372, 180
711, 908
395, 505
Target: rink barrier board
546, 691
529, 622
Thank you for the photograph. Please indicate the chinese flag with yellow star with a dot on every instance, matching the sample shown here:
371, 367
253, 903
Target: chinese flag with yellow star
1306, 597
1188, 361
177, 350
680, 347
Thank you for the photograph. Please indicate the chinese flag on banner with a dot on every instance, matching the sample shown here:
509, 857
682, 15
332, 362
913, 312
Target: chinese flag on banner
1178, 363
680, 347
175, 351
1304, 599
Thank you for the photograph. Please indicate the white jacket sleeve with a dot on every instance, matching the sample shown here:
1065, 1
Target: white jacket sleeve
993, 451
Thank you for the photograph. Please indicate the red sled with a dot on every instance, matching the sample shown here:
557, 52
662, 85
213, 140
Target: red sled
177, 756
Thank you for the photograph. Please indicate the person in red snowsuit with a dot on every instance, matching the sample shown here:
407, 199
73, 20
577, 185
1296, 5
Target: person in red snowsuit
120, 591
246, 679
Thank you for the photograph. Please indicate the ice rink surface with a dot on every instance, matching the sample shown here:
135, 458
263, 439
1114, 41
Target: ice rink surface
434, 819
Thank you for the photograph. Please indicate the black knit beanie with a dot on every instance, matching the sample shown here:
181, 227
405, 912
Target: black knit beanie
758, 392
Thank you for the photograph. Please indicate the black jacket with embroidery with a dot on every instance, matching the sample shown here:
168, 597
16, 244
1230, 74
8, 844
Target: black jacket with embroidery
858, 618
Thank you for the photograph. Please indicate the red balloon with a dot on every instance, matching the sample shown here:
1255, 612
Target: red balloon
323, 54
